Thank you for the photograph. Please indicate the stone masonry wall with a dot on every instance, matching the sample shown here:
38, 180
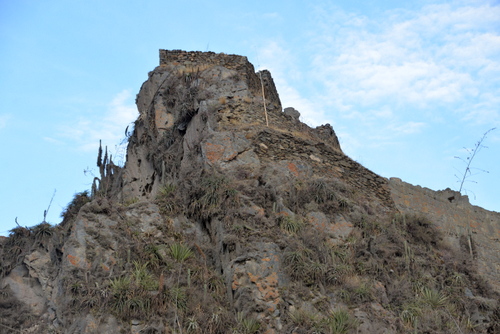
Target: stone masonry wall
325, 160
198, 57
456, 217
197, 60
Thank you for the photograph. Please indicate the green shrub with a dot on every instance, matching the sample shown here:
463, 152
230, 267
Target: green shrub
177, 296
304, 319
138, 306
212, 196
410, 314
362, 293
296, 261
166, 190
314, 272
322, 190
120, 285
180, 252
289, 224
246, 325
192, 325
143, 278
339, 321
165, 198
131, 201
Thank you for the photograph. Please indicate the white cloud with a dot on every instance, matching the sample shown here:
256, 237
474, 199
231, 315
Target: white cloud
442, 54
85, 133
408, 128
4, 118
121, 111
53, 141
272, 16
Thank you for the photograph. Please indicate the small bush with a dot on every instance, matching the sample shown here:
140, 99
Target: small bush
420, 229
131, 201
321, 190
120, 285
165, 198
410, 314
304, 319
79, 200
166, 190
19, 233
42, 230
212, 197
296, 261
143, 278
314, 272
362, 293
177, 296
289, 224
344, 203
246, 325
339, 321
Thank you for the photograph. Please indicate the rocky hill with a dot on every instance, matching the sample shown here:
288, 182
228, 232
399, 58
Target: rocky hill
232, 216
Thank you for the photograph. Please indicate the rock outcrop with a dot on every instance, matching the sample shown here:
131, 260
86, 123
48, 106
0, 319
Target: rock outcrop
232, 216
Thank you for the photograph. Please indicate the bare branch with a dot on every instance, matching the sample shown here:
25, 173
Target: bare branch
472, 154
45, 212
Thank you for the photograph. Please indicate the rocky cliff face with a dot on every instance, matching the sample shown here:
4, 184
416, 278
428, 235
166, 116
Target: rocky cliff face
232, 216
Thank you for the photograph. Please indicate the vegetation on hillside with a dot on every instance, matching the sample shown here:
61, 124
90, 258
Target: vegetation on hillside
400, 264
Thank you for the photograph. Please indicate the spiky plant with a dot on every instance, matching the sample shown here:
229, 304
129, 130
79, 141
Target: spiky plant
180, 252
42, 230
339, 321
290, 225
410, 314
247, 325
433, 298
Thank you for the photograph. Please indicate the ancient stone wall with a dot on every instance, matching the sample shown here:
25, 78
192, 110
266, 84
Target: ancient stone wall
198, 61
457, 219
181, 57
325, 160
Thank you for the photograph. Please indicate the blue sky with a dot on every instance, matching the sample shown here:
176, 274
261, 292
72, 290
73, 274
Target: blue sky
406, 86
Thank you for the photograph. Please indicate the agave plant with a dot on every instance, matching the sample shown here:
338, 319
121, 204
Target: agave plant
247, 325
180, 252
290, 224
339, 321
433, 298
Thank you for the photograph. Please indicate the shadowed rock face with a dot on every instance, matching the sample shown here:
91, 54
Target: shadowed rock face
229, 213
185, 107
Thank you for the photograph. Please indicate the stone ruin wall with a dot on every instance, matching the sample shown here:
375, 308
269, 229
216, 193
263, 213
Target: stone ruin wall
193, 61
456, 218
178, 57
